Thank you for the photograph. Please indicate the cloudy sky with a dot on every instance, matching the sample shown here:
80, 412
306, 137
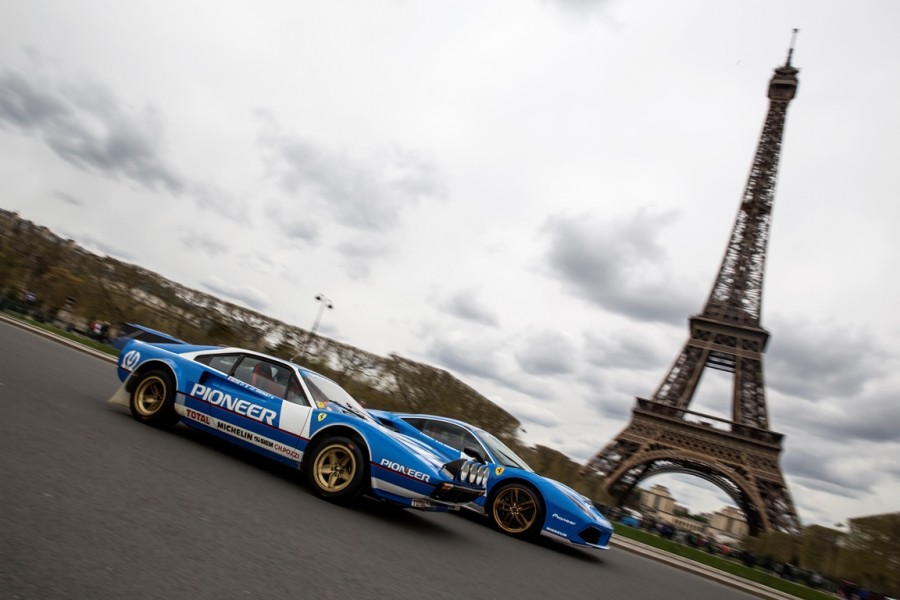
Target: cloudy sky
532, 194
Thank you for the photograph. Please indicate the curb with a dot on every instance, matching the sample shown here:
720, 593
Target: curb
751, 587
55, 337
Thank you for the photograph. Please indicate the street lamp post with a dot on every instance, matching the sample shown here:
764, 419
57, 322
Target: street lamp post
324, 302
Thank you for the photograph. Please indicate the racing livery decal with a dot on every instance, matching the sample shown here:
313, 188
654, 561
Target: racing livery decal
130, 360
248, 436
405, 470
192, 414
563, 519
234, 404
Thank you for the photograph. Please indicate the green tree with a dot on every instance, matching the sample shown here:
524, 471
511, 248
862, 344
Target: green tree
819, 549
871, 554
777, 546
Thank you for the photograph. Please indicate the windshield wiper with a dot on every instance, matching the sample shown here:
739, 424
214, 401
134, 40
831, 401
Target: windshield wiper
352, 410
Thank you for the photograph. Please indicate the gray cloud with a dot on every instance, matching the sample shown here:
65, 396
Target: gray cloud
869, 417
819, 360
609, 404
200, 242
837, 381
360, 252
620, 352
247, 295
300, 228
581, 8
468, 306
617, 265
99, 246
68, 198
546, 353
85, 124
366, 194
530, 414
88, 126
464, 359
820, 471
211, 197
827, 487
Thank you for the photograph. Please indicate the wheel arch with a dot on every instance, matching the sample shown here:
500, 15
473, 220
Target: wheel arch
151, 365
337, 430
502, 522
515, 479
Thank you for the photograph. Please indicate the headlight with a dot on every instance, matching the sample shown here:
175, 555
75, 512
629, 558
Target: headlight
479, 474
469, 471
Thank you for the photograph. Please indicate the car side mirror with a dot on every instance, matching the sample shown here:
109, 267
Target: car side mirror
474, 454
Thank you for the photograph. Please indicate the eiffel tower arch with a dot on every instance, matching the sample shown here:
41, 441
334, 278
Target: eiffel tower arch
740, 455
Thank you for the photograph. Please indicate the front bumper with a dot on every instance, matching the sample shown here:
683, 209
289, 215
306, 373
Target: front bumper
456, 493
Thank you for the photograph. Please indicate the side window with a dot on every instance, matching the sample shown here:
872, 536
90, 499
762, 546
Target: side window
417, 423
266, 376
448, 433
461, 438
295, 392
219, 362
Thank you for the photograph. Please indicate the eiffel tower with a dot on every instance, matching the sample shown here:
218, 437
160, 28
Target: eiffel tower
740, 456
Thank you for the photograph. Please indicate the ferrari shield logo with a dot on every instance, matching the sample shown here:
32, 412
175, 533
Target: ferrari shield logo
322, 417
498, 471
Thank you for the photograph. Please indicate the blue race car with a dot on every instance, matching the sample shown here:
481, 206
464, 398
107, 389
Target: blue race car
518, 501
291, 414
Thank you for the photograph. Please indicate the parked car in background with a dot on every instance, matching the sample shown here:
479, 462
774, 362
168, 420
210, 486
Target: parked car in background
631, 517
293, 415
518, 501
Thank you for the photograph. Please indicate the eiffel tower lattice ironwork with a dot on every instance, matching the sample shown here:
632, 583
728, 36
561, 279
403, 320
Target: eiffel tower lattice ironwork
740, 456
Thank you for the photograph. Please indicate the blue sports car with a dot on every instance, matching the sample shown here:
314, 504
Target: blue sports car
519, 502
293, 415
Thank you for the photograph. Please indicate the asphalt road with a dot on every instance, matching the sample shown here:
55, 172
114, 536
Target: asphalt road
94, 505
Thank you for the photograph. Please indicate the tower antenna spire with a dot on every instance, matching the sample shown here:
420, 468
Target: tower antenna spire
791, 49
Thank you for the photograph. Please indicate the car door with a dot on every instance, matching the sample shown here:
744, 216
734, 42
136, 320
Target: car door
196, 407
251, 407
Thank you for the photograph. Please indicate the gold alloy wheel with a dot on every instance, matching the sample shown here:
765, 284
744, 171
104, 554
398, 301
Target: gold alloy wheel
150, 396
334, 468
515, 509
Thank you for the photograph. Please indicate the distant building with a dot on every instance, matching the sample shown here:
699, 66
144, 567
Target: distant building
730, 522
658, 499
727, 523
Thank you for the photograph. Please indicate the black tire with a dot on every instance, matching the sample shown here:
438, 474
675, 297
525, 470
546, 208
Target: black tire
517, 509
337, 470
153, 399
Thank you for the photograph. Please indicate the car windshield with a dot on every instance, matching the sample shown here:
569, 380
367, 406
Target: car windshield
326, 391
501, 451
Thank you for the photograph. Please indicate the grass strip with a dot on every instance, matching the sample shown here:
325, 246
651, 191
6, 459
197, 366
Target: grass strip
75, 337
727, 565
